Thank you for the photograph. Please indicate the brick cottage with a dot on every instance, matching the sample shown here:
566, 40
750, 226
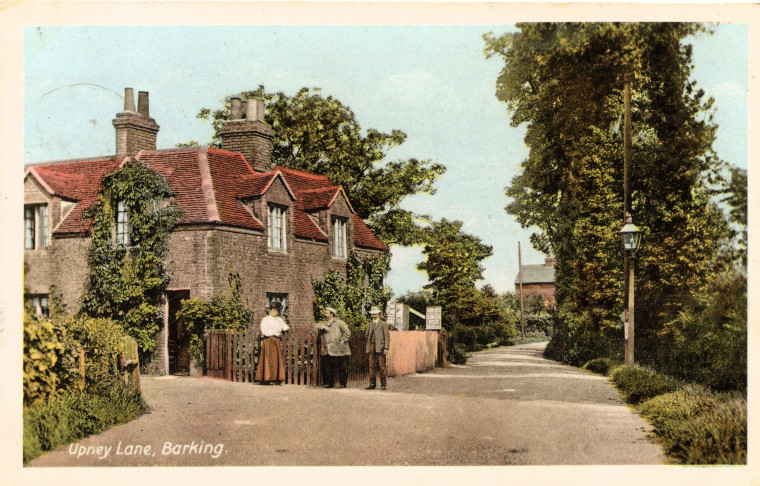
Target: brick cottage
538, 280
277, 228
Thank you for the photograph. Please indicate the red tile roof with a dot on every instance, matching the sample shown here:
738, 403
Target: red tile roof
364, 237
208, 185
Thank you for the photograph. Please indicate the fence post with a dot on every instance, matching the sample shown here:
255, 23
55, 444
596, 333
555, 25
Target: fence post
81, 368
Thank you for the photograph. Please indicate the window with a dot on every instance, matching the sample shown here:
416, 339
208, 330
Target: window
35, 226
339, 238
282, 299
39, 305
122, 224
277, 228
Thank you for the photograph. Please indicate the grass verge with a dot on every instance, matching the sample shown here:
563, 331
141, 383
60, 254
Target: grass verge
692, 423
75, 415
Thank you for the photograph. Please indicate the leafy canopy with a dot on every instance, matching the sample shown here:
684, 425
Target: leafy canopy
320, 135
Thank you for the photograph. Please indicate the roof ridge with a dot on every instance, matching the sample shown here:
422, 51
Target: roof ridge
305, 174
46, 163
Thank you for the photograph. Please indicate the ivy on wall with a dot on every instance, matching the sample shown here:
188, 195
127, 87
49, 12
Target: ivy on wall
127, 284
353, 296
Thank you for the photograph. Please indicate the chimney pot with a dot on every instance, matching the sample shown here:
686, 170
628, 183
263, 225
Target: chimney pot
142, 103
129, 100
255, 110
235, 109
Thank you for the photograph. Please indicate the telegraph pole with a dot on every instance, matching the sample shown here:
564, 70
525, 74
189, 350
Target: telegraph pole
628, 321
522, 310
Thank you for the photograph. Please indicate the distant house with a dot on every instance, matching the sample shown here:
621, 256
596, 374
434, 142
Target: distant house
277, 228
538, 280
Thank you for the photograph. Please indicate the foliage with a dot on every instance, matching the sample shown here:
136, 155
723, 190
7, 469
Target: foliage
320, 135
698, 427
127, 284
565, 82
228, 311
354, 296
100, 340
638, 383
43, 350
707, 342
75, 415
601, 365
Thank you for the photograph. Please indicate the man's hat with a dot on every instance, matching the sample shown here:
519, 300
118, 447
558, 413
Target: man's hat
334, 312
374, 310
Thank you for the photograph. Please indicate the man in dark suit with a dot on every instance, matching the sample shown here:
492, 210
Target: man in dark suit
378, 342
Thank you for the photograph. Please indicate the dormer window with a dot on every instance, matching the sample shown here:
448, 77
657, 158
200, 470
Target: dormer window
278, 227
35, 226
122, 224
339, 238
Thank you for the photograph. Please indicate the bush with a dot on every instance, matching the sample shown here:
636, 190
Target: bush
101, 340
697, 427
600, 365
637, 383
43, 349
75, 415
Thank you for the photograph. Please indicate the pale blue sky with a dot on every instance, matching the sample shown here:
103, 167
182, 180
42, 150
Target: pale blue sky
430, 81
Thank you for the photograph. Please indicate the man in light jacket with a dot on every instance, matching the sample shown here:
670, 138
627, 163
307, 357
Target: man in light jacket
378, 342
334, 349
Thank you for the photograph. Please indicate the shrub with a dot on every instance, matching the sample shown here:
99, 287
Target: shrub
42, 351
718, 436
637, 383
75, 415
600, 365
698, 427
221, 312
101, 340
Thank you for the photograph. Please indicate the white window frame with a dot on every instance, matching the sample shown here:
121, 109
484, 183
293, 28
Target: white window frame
339, 249
35, 226
40, 304
278, 228
123, 236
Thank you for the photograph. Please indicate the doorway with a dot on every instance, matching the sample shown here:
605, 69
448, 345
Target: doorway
178, 338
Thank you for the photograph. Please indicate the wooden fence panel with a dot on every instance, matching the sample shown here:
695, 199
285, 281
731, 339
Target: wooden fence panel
233, 355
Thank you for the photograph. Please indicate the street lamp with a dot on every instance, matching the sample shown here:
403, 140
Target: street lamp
631, 237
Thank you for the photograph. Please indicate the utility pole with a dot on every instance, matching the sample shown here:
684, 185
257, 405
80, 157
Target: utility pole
628, 321
522, 310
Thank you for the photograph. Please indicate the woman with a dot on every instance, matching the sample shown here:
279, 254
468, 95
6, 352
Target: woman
271, 368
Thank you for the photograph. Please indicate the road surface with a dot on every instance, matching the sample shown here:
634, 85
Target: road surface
506, 406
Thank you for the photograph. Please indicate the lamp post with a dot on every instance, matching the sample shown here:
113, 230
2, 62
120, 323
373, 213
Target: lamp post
631, 237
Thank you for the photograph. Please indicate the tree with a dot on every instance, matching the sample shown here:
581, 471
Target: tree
565, 81
453, 266
320, 135
127, 283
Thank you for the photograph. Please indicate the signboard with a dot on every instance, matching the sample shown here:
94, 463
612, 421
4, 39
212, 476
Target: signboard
402, 317
433, 318
390, 313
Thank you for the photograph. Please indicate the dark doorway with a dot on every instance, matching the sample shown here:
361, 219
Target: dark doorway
179, 338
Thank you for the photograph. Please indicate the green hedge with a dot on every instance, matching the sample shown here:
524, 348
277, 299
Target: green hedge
601, 365
638, 383
75, 415
698, 427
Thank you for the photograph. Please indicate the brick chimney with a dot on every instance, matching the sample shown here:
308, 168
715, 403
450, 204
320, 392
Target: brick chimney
135, 131
247, 132
550, 262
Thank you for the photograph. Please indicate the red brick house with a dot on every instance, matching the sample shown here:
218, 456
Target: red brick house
538, 280
277, 228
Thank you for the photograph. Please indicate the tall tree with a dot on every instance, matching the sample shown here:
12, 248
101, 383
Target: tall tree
565, 81
321, 135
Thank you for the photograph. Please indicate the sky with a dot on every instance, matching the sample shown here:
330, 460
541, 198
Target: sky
432, 82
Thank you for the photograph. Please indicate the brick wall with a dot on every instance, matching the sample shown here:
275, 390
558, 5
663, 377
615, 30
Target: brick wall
544, 290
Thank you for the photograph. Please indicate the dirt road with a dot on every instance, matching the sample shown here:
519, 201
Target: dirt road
506, 406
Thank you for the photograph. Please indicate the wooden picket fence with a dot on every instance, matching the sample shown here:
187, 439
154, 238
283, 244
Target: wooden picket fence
233, 355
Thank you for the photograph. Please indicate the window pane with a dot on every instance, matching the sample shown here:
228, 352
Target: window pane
29, 228
42, 220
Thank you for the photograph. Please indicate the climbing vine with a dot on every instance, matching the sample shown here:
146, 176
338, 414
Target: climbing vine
353, 296
126, 283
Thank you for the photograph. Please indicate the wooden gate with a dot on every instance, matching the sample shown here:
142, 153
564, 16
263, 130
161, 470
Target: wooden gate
234, 355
